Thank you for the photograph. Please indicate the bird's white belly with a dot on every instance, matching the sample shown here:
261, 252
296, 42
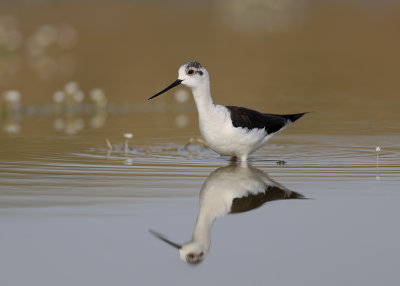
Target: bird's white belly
225, 139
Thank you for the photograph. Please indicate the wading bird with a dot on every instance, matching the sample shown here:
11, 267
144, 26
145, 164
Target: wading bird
233, 189
228, 130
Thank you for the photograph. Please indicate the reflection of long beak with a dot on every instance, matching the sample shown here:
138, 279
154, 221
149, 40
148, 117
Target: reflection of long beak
175, 83
163, 238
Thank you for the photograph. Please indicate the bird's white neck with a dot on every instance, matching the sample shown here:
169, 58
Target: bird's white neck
202, 97
202, 229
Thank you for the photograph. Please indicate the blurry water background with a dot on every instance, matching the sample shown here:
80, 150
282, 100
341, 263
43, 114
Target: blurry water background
76, 73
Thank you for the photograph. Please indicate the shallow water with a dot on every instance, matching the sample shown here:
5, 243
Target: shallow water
74, 212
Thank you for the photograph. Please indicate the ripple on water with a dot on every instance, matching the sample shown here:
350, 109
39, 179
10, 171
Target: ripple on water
92, 175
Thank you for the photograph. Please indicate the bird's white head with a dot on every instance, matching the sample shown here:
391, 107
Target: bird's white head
192, 252
191, 74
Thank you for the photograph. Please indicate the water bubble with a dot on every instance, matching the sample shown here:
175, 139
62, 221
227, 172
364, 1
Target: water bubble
98, 120
12, 128
45, 35
59, 96
128, 135
74, 126
98, 96
181, 121
71, 87
12, 96
181, 95
58, 124
46, 48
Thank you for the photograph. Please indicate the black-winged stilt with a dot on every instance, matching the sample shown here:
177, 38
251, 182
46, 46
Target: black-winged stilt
235, 188
228, 130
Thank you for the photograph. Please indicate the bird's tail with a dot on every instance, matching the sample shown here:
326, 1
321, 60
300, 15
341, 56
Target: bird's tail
294, 117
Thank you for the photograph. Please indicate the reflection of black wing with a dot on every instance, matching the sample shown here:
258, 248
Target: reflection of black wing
252, 201
251, 119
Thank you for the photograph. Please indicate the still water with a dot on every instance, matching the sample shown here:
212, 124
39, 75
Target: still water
74, 212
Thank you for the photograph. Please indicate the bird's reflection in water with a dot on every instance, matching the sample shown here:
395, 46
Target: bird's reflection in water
235, 188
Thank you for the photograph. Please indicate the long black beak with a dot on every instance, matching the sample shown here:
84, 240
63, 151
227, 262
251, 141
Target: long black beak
163, 238
175, 83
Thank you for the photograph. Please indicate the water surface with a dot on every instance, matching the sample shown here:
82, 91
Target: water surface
71, 213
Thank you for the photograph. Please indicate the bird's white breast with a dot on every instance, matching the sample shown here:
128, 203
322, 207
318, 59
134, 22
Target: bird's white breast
221, 136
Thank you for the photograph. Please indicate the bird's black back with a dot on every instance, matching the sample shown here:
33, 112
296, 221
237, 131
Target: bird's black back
250, 119
252, 201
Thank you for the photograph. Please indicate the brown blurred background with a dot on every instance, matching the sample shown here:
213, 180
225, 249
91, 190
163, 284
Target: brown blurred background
338, 58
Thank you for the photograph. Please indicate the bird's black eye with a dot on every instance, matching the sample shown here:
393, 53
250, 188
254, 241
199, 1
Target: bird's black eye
190, 72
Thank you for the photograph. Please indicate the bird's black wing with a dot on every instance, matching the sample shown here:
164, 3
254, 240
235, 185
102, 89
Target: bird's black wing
251, 119
252, 201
